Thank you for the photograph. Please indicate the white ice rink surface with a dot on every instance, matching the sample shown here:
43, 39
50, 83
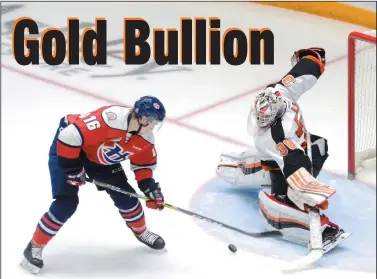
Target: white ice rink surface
207, 107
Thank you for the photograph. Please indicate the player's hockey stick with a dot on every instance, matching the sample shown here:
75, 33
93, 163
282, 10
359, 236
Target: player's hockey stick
187, 212
316, 246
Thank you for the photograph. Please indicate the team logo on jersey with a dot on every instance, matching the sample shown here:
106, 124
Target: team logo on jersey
112, 154
111, 115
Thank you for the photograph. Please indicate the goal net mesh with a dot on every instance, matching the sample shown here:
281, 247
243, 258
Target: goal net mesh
365, 99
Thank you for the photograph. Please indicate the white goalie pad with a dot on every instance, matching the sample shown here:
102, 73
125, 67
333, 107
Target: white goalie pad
291, 222
243, 169
305, 189
294, 224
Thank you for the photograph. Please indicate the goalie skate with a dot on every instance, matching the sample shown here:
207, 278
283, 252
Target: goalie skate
329, 242
333, 239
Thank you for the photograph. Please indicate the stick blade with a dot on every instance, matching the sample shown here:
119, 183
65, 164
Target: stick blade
312, 257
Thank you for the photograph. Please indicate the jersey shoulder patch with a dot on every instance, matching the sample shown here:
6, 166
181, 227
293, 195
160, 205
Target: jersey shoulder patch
116, 117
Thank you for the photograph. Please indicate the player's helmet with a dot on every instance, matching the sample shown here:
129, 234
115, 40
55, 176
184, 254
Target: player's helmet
149, 110
268, 107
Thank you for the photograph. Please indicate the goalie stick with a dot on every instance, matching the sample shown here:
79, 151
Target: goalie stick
187, 212
316, 249
316, 244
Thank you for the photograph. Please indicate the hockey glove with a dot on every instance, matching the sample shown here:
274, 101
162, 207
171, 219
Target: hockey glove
77, 178
317, 52
152, 190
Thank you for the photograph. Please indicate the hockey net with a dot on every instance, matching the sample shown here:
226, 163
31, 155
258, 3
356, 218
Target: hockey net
361, 100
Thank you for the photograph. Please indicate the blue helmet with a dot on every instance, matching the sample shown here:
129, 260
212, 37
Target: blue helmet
150, 107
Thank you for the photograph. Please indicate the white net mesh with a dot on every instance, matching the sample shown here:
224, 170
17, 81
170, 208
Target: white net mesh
365, 100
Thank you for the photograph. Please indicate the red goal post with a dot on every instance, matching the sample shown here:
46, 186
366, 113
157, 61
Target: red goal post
361, 99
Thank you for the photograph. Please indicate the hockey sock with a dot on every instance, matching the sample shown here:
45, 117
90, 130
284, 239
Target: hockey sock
46, 229
61, 209
134, 218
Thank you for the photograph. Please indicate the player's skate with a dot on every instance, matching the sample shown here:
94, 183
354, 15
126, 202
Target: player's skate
151, 239
331, 237
32, 260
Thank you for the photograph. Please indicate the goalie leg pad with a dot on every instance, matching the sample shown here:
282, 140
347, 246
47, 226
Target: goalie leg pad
294, 224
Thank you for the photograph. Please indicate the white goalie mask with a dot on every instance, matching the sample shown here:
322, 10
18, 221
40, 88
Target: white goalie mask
268, 106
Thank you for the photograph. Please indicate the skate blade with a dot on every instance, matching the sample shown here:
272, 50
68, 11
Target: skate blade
164, 250
341, 238
29, 267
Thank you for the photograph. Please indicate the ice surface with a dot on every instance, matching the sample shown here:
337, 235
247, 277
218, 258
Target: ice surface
95, 243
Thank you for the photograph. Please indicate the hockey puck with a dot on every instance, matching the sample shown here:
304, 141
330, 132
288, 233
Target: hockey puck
232, 248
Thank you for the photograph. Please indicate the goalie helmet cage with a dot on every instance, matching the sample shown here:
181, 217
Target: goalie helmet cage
361, 99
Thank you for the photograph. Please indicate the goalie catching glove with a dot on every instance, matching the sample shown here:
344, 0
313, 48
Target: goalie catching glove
152, 190
315, 52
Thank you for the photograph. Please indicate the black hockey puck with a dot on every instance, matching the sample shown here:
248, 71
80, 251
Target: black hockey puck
232, 248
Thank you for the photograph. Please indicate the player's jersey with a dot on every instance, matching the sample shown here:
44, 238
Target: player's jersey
101, 135
282, 145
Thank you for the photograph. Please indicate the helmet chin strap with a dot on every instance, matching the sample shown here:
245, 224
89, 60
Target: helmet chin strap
136, 132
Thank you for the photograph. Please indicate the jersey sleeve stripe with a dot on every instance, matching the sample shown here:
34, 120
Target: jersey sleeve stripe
139, 167
143, 174
66, 151
66, 144
143, 165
